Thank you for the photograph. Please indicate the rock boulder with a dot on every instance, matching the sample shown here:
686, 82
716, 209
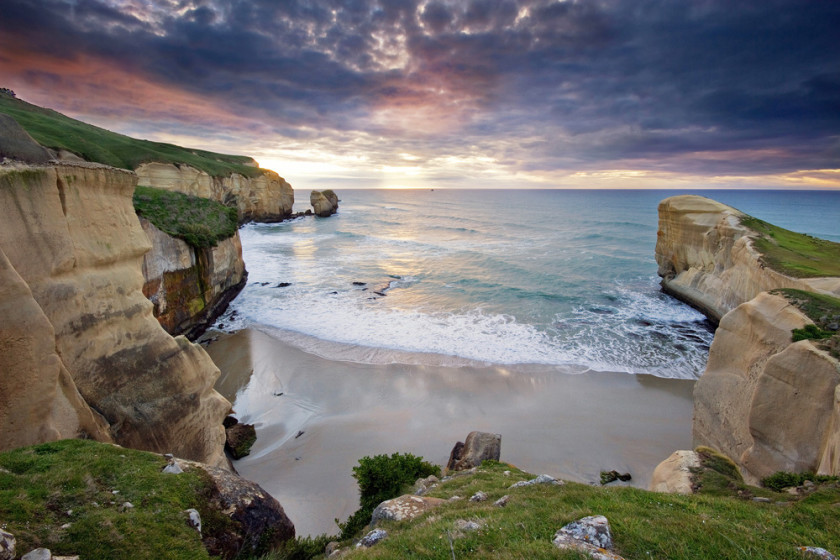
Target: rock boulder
478, 447
324, 203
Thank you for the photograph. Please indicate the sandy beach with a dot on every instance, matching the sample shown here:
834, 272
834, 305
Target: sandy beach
316, 417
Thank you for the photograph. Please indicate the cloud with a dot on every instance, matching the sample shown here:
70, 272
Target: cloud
540, 86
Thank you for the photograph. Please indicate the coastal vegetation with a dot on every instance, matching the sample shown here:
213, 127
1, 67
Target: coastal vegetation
201, 222
59, 132
824, 311
794, 254
723, 520
79, 497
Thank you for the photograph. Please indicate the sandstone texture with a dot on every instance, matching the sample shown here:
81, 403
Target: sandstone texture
265, 198
705, 258
764, 401
673, 475
478, 447
190, 287
69, 232
324, 203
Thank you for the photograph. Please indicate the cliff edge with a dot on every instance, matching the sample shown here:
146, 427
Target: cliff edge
71, 236
707, 257
767, 402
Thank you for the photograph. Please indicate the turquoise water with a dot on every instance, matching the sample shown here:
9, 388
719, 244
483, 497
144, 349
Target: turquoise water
515, 278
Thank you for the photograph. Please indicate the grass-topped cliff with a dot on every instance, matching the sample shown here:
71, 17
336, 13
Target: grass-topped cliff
794, 254
59, 132
198, 221
824, 311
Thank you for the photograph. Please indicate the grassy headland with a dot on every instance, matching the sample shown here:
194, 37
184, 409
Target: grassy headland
198, 221
824, 311
69, 496
59, 132
794, 254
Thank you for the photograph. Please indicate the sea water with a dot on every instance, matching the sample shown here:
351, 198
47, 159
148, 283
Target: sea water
565, 278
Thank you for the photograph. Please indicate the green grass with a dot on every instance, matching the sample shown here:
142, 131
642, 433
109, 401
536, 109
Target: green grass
54, 130
824, 311
794, 254
40, 485
198, 221
644, 524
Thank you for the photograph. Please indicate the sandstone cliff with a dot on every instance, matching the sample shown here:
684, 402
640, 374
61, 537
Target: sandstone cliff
70, 234
190, 286
265, 198
706, 257
766, 402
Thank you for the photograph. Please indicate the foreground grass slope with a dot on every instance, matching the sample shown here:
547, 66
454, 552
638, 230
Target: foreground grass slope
59, 132
794, 254
69, 496
722, 522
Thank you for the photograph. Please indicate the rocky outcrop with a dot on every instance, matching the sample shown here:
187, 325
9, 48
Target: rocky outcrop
264, 198
478, 447
766, 402
71, 235
324, 203
706, 258
674, 474
17, 144
190, 287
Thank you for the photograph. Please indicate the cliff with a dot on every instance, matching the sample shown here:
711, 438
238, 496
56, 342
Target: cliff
267, 197
72, 240
769, 403
707, 257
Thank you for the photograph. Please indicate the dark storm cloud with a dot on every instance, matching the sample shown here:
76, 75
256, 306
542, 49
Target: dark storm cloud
567, 85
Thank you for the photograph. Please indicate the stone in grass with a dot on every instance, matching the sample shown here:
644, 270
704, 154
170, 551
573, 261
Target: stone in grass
403, 507
541, 479
477, 448
7, 545
502, 502
817, 552
372, 538
478, 497
467, 525
590, 536
38, 554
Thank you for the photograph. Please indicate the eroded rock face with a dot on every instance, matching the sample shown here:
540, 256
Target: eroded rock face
324, 203
765, 402
71, 234
705, 257
673, 475
478, 447
266, 198
190, 287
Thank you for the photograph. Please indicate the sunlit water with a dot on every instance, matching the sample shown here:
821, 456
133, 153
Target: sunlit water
516, 278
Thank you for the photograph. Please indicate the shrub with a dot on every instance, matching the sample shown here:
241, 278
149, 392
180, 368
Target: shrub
381, 478
780, 480
810, 332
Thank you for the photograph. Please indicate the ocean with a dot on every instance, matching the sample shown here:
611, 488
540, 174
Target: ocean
413, 317
565, 278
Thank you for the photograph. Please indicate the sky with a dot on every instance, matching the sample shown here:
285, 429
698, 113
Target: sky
435, 94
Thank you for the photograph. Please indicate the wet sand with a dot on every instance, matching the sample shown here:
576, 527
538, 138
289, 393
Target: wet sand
569, 426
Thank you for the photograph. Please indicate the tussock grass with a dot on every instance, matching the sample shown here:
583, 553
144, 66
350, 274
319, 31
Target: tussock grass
794, 254
85, 484
59, 132
644, 524
198, 221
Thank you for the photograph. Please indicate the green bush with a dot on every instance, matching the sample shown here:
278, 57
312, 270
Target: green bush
381, 478
780, 480
810, 332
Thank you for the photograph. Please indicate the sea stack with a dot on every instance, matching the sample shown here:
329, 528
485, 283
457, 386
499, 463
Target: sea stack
324, 203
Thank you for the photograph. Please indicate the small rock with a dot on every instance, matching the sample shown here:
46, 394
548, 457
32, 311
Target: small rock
115, 492
172, 468
817, 552
38, 554
7, 545
478, 497
541, 479
193, 519
372, 538
762, 500
468, 526
359, 283
590, 536
332, 546
506, 473
283, 285
404, 507
66, 526
239, 438
127, 505
502, 502
454, 499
